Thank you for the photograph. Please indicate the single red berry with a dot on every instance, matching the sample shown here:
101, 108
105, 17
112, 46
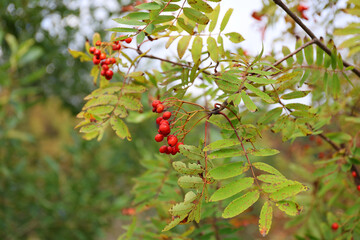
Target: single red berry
128, 40
177, 146
172, 141
112, 60
163, 149
107, 61
159, 119
105, 67
353, 173
103, 72
164, 128
160, 108
92, 50
159, 137
173, 151
109, 73
154, 109
114, 47
97, 52
335, 226
96, 61
116, 42
169, 150
358, 188
166, 115
155, 103
102, 56
164, 122
98, 43
108, 77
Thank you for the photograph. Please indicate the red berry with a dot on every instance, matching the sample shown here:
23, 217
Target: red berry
159, 137
164, 122
116, 42
96, 61
166, 115
98, 43
173, 151
109, 73
154, 109
159, 119
335, 226
102, 56
358, 188
92, 50
177, 146
112, 60
107, 61
97, 52
108, 77
155, 103
105, 67
172, 141
169, 150
163, 149
114, 47
353, 173
160, 108
128, 40
164, 128
103, 72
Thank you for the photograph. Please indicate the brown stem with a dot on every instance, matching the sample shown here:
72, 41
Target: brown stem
311, 34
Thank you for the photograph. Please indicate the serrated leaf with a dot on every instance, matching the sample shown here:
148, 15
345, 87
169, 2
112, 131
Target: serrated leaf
196, 49
225, 153
273, 179
227, 86
226, 18
89, 128
259, 93
100, 110
192, 152
174, 223
288, 191
120, 111
289, 207
102, 91
190, 197
261, 80
235, 37
214, 18
181, 209
101, 100
231, 189
249, 104
196, 16
270, 116
133, 88
183, 45
200, 5
213, 49
130, 103
223, 143
191, 182
228, 170
295, 94
240, 204
266, 168
193, 168
263, 152
265, 218
120, 128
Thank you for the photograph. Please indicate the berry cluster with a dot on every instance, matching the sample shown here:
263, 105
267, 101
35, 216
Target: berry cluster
165, 129
101, 58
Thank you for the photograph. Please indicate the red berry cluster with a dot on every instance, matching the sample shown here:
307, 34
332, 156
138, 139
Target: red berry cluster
101, 58
165, 129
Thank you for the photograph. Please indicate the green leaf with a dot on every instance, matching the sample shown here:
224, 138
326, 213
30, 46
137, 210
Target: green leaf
298, 106
89, 128
129, 22
183, 45
288, 191
226, 18
120, 29
214, 17
266, 168
174, 223
231, 189
140, 37
263, 152
200, 5
265, 219
188, 28
259, 93
196, 49
213, 49
319, 56
235, 37
133, 88
273, 179
130, 103
120, 111
120, 128
240, 204
78, 54
286, 51
196, 16
227, 86
193, 168
270, 116
299, 55
149, 6
339, 137
192, 152
100, 110
101, 100
260, 80
289, 207
192, 182
181, 209
223, 143
346, 31
225, 153
295, 94
309, 54
248, 102
228, 170
171, 40
163, 19
138, 16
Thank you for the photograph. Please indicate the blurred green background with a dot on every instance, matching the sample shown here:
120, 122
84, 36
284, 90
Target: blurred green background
53, 184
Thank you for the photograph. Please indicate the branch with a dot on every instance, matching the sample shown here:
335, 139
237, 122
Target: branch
311, 34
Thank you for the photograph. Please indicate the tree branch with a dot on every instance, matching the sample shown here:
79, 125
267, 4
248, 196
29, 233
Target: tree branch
311, 34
